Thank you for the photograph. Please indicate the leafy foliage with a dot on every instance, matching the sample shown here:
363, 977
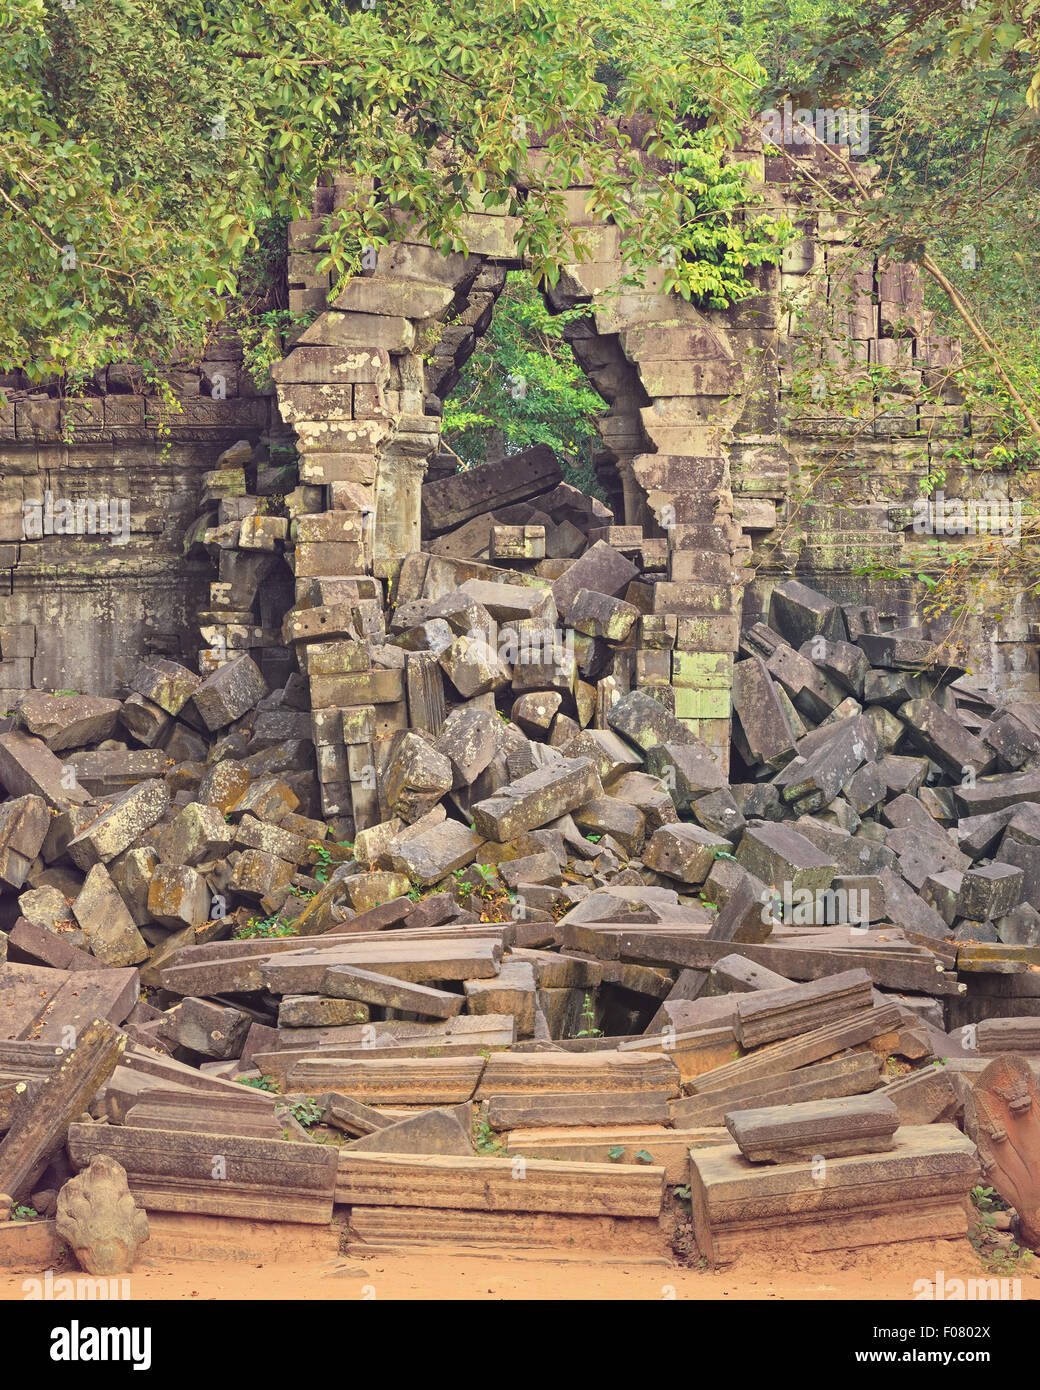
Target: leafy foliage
148, 153
954, 142
267, 926
522, 387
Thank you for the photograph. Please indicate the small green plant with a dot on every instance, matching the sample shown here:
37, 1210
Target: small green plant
644, 1156
683, 1193
485, 1140
997, 1252
305, 1112
616, 1152
594, 839
259, 1083
265, 926
20, 1213
588, 1019
461, 882
324, 865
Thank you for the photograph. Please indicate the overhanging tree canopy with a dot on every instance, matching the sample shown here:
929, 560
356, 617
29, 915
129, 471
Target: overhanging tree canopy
144, 147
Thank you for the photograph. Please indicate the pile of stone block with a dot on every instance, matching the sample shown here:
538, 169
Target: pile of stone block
246, 525
470, 902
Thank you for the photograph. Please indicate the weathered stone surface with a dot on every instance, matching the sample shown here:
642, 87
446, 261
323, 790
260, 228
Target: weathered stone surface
416, 778
989, 891
489, 1184
29, 768
851, 1074
315, 1011
99, 1219
391, 1080
989, 795
924, 1097
802, 1049
229, 692
24, 823
914, 1191
117, 828
178, 896
198, 832
843, 662
471, 739
996, 1035
777, 855
608, 815
210, 1029
611, 755
719, 813
601, 615
267, 1179
799, 613
512, 991
352, 983
534, 713
816, 782
815, 1128
367, 891
50, 909
166, 683
473, 666
684, 852
427, 856
943, 738
143, 719
766, 1016
602, 569
538, 1073
303, 972
536, 799
68, 721
686, 770
763, 723
257, 875
41, 1120
103, 916
646, 722
224, 785
450, 501
577, 1109
439, 1132
941, 890
813, 695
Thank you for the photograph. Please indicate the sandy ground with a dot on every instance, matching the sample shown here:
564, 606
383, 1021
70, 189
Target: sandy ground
887, 1273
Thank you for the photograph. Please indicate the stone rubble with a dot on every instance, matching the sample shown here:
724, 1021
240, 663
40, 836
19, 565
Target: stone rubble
469, 888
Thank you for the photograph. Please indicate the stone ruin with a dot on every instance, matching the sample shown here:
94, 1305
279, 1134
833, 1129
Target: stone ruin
625, 862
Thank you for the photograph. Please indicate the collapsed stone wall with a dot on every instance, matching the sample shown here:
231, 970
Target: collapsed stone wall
97, 494
708, 450
708, 447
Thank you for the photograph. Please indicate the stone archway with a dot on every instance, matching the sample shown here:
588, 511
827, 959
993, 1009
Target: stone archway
704, 443
364, 384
